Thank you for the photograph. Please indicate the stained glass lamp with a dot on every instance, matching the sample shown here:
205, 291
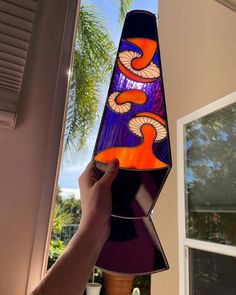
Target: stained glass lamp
134, 130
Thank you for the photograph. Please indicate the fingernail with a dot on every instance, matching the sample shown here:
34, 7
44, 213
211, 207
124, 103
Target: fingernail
114, 162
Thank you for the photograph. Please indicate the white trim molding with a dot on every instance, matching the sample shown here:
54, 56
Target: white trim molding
62, 31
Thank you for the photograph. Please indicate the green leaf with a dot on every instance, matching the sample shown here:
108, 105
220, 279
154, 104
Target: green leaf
124, 7
93, 63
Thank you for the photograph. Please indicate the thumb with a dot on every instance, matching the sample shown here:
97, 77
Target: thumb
111, 172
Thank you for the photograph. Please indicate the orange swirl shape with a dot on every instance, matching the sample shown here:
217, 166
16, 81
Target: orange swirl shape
120, 102
138, 67
151, 128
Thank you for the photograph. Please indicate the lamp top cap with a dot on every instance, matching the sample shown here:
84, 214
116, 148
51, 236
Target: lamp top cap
140, 24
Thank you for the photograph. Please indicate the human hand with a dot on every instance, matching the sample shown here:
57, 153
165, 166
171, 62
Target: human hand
71, 271
96, 200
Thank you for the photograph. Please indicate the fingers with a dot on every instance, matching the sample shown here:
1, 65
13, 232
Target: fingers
88, 177
89, 167
111, 173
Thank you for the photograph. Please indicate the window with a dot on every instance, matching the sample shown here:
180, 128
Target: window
207, 199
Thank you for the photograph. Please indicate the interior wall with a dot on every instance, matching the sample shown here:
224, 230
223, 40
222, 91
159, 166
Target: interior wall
198, 46
29, 153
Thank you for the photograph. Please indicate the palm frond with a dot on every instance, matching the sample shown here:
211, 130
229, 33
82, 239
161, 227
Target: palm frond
60, 219
124, 7
93, 62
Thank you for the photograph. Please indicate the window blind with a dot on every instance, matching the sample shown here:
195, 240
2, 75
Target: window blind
16, 23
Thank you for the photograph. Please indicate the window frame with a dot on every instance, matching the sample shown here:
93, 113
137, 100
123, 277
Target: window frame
185, 244
64, 46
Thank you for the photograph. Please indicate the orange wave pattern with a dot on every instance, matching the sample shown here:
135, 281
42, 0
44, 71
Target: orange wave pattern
138, 157
138, 67
121, 102
148, 48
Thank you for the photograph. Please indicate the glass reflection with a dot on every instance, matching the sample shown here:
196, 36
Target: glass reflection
135, 193
133, 247
212, 273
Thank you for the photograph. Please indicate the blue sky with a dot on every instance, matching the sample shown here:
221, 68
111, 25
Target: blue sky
110, 9
71, 169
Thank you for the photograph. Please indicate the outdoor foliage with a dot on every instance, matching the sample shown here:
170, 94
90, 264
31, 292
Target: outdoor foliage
71, 206
67, 214
93, 62
55, 250
212, 273
124, 7
60, 219
143, 283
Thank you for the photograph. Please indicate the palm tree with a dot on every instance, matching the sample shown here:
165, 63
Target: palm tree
93, 63
56, 247
124, 7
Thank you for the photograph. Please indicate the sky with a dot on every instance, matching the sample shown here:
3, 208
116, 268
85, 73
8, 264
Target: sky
73, 166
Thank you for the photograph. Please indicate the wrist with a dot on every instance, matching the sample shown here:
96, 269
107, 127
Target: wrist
96, 231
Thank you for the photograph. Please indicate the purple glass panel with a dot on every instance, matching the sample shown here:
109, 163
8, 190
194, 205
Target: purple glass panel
114, 131
134, 125
132, 248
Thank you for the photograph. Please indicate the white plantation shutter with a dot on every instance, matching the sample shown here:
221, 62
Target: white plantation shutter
16, 23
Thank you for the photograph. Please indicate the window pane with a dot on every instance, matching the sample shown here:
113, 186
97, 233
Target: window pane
212, 273
210, 177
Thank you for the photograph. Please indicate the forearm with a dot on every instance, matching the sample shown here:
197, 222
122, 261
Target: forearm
71, 272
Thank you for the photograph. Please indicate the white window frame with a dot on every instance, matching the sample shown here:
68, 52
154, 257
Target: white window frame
60, 79
186, 243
